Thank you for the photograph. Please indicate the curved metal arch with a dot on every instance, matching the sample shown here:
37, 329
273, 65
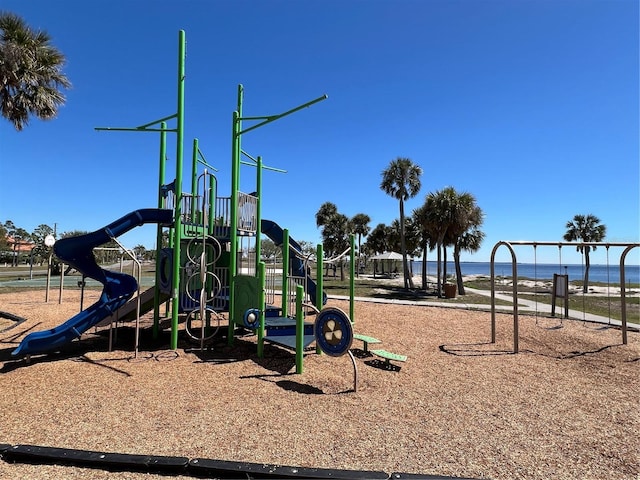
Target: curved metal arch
623, 302
514, 272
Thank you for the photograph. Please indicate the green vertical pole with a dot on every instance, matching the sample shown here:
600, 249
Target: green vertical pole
175, 298
319, 283
299, 329
263, 307
285, 273
258, 210
194, 180
161, 204
236, 146
319, 276
352, 278
212, 203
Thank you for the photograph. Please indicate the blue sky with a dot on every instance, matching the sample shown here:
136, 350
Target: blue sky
532, 106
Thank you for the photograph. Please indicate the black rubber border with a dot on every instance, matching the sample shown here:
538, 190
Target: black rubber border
197, 467
14, 318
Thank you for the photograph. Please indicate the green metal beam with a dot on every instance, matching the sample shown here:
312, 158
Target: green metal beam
177, 231
273, 118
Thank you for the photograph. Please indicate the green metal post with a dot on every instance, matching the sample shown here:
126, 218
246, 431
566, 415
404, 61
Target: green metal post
319, 283
259, 210
299, 329
236, 146
161, 204
175, 298
285, 273
263, 307
352, 278
213, 187
319, 276
194, 180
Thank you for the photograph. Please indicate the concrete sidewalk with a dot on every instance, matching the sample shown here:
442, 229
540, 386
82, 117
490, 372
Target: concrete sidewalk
525, 307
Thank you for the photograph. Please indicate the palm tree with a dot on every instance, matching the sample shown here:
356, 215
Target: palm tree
585, 228
465, 231
401, 180
324, 214
469, 241
378, 239
411, 238
323, 217
437, 218
30, 73
425, 239
360, 224
335, 227
448, 215
378, 242
336, 239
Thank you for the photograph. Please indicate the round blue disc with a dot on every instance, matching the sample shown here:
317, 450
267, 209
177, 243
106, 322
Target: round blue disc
334, 332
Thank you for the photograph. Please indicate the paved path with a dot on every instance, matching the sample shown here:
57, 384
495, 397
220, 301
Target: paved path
525, 306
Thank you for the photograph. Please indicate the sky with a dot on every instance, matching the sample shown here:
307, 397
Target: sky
530, 105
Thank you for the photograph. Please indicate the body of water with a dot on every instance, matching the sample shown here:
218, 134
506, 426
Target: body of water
597, 273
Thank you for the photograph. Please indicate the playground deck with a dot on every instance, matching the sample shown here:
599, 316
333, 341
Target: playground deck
459, 405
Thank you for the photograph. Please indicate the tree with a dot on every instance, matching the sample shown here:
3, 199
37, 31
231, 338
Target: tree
377, 240
436, 218
463, 232
5, 248
470, 240
268, 249
324, 214
323, 217
19, 238
336, 239
401, 180
360, 226
425, 239
41, 251
585, 228
140, 252
15, 238
335, 228
411, 236
449, 214
31, 75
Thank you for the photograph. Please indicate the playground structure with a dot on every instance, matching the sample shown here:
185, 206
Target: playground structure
212, 263
557, 287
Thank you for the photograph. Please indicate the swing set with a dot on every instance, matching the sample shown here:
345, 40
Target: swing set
560, 286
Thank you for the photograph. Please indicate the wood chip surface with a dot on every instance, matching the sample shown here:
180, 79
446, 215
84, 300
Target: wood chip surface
565, 407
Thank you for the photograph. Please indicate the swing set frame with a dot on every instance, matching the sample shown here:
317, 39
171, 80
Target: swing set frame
514, 268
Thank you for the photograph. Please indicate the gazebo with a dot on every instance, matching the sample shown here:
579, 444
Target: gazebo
390, 257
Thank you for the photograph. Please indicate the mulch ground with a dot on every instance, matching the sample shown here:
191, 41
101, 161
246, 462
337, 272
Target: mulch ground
565, 407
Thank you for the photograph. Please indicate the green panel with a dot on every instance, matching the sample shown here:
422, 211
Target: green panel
247, 295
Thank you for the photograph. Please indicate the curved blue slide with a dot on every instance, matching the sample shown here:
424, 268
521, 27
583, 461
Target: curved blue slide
276, 234
118, 287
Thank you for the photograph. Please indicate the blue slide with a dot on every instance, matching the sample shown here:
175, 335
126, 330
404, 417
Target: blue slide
118, 287
275, 233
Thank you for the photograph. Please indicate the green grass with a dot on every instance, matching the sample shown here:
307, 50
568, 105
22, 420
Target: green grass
606, 306
365, 287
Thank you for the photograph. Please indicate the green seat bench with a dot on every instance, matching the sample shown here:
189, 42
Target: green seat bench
366, 340
388, 356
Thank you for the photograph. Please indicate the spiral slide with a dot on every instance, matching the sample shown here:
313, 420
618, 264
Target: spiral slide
118, 287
